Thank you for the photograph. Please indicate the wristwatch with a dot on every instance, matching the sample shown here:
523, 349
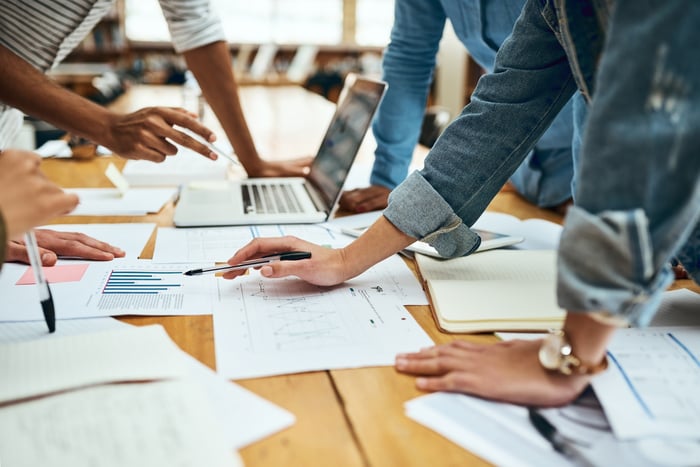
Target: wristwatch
556, 354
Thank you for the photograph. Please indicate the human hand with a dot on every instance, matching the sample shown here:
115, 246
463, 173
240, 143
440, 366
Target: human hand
372, 198
27, 197
288, 168
53, 244
325, 267
142, 134
506, 371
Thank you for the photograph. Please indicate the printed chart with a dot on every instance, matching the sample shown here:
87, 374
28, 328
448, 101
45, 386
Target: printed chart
268, 327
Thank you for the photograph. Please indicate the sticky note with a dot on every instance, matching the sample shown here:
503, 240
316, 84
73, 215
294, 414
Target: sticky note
55, 274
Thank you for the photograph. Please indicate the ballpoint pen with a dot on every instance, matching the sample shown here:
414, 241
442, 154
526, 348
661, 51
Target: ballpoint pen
558, 442
44, 292
251, 263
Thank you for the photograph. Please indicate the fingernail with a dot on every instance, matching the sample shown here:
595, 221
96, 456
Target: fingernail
213, 156
266, 271
421, 382
401, 363
212, 138
46, 257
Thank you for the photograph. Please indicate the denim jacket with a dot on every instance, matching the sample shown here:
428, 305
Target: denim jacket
637, 191
408, 63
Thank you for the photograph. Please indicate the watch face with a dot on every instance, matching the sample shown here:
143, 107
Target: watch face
550, 351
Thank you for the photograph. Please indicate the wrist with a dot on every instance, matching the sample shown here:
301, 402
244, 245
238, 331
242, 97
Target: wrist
579, 348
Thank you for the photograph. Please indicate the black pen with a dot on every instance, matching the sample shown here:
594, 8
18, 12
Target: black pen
44, 291
557, 441
251, 263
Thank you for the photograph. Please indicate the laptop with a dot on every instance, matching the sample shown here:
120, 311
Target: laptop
291, 200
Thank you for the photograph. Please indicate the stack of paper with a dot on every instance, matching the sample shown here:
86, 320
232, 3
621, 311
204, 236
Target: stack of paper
62, 412
171, 419
496, 290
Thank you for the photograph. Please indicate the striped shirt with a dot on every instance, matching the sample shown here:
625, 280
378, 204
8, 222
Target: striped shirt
44, 32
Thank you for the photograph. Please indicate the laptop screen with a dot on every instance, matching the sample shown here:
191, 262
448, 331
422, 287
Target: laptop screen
342, 140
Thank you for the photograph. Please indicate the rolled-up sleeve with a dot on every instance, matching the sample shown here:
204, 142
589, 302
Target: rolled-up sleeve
192, 23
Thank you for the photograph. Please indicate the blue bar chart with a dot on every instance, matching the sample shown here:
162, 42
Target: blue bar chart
124, 282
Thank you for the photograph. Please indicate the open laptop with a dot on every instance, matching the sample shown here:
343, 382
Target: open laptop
291, 200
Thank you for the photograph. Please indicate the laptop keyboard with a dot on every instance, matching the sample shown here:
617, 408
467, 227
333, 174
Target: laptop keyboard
269, 198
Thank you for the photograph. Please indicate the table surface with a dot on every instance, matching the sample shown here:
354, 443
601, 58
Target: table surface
351, 417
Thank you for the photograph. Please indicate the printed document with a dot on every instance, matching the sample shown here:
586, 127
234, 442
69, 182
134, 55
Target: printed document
113, 288
272, 326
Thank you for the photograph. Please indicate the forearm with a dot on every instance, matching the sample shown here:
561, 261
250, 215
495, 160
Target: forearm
379, 242
211, 65
588, 335
27, 89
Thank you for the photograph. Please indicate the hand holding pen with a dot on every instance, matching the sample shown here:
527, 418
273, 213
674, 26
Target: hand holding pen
44, 291
252, 263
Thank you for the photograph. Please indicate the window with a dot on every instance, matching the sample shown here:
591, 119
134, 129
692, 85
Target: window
318, 22
374, 19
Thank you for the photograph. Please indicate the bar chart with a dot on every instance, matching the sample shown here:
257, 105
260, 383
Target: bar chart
142, 282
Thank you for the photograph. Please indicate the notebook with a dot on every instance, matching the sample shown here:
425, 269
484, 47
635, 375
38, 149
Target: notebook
291, 200
499, 290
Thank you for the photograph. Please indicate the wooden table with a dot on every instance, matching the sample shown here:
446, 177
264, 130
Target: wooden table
349, 417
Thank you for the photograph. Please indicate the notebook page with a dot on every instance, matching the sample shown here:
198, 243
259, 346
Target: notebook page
512, 265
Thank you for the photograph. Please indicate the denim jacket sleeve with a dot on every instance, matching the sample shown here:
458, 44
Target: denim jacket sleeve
480, 150
408, 66
638, 196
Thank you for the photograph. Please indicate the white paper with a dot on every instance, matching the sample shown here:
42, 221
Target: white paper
652, 383
110, 202
155, 424
244, 416
54, 148
272, 326
21, 331
232, 403
131, 237
220, 243
186, 166
678, 308
104, 290
499, 433
49, 365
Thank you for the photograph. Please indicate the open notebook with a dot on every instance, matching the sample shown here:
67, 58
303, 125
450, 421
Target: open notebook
499, 290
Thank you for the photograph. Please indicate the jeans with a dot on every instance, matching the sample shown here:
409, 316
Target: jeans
637, 178
482, 26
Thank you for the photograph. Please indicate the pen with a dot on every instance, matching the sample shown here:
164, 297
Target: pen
251, 263
223, 154
557, 441
44, 292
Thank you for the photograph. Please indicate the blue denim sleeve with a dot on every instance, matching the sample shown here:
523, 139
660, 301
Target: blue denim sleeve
408, 66
638, 191
479, 151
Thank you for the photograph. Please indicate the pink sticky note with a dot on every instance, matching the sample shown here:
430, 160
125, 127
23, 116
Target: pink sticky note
54, 274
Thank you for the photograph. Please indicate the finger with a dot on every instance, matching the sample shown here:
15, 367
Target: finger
186, 112
264, 246
17, 252
160, 145
185, 140
175, 117
280, 269
453, 382
85, 240
428, 366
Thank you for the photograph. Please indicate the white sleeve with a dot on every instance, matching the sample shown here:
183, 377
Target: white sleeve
192, 23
